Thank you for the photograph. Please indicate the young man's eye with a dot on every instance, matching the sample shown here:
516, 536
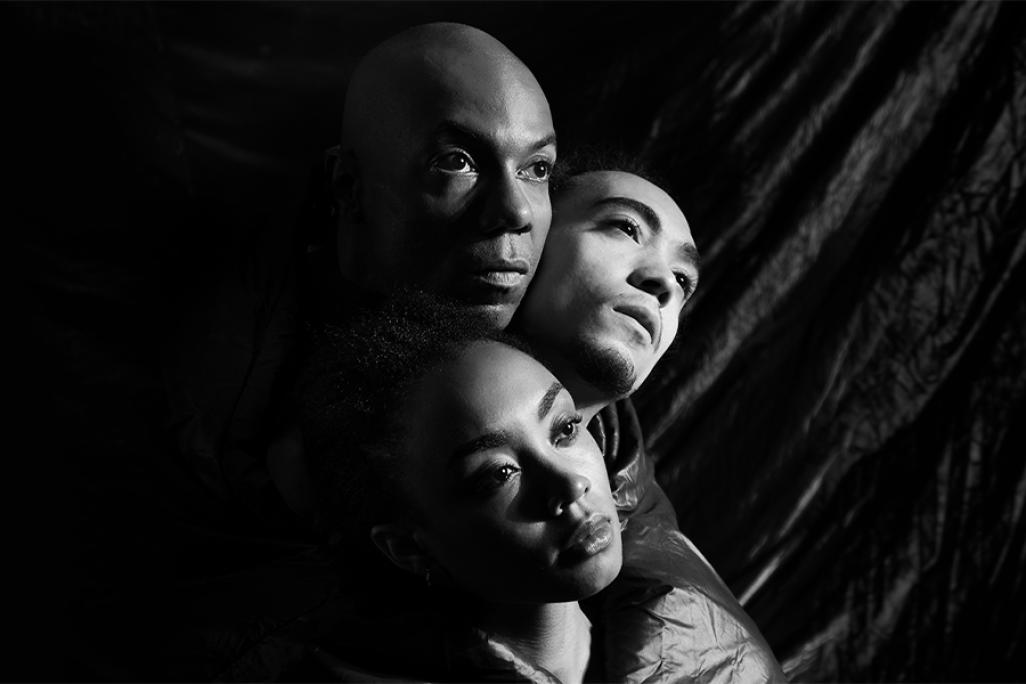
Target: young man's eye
685, 283
566, 430
538, 171
627, 227
455, 162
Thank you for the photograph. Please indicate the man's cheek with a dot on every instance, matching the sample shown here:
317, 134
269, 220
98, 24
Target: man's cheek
445, 208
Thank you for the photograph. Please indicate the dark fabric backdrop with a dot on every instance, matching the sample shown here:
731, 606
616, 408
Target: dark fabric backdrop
836, 426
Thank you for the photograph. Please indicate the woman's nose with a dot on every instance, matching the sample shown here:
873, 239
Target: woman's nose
568, 488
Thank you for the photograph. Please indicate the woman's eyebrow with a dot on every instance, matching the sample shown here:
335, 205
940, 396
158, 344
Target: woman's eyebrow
545, 405
494, 440
489, 440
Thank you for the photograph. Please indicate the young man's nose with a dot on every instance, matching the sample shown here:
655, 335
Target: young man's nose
654, 277
506, 206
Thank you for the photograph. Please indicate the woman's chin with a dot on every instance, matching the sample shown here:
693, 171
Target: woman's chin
592, 576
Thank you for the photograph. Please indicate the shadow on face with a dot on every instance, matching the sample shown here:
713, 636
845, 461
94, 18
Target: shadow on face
619, 266
506, 494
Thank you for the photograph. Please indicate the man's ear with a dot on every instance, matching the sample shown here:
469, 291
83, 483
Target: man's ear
344, 172
399, 545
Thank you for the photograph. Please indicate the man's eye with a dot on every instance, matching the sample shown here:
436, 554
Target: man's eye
538, 171
455, 162
685, 283
566, 430
627, 227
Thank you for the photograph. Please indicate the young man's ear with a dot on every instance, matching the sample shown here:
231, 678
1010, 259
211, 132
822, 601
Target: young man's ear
344, 173
400, 546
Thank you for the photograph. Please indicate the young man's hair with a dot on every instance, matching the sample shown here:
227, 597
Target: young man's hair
353, 392
591, 158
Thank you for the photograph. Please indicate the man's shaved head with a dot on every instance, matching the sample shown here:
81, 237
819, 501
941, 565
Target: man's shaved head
447, 142
421, 63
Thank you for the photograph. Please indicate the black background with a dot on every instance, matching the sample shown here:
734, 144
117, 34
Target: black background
840, 426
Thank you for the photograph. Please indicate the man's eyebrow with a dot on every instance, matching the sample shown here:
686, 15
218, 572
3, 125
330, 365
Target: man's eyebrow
688, 252
647, 212
545, 405
549, 139
453, 129
490, 440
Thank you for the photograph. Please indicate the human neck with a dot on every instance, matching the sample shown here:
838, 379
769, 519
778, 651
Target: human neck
554, 636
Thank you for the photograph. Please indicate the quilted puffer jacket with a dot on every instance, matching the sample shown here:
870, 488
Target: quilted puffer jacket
668, 617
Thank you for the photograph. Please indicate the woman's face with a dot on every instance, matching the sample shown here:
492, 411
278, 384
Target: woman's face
507, 490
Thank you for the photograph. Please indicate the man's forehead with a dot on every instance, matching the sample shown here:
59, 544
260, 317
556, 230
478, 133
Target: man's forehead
471, 94
618, 189
443, 72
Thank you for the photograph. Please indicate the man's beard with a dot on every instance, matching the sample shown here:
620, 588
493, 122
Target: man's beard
607, 369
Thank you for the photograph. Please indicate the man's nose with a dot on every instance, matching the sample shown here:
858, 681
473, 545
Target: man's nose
655, 277
506, 207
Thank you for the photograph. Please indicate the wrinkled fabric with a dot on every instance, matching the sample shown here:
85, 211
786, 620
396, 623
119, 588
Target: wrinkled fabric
834, 427
668, 617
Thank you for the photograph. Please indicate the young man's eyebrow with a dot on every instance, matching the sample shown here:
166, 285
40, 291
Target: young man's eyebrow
545, 405
647, 213
453, 129
688, 252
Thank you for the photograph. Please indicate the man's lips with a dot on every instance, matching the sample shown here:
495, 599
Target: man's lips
591, 536
498, 273
647, 318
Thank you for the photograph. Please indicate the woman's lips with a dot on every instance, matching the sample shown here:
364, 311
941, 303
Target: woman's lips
593, 535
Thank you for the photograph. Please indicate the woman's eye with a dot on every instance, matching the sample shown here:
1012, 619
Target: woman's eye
567, 430
455, 162
503, 473
538, 171
494, 478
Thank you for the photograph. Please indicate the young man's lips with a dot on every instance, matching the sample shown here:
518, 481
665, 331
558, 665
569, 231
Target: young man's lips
644, 317
593, 535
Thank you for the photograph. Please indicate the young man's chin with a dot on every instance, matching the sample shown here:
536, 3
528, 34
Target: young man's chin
608, 367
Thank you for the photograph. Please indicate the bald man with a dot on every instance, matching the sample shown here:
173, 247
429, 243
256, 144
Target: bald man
442, 174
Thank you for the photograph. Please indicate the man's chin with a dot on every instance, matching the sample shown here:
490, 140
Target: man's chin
608, 368
497, 316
